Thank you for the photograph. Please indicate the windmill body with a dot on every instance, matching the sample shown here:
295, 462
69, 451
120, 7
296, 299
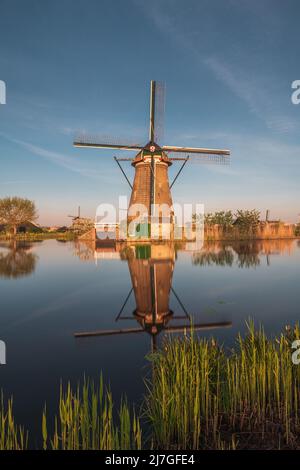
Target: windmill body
151, 198
151, 201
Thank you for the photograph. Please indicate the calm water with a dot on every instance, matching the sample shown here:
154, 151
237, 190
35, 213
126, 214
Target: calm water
51, 290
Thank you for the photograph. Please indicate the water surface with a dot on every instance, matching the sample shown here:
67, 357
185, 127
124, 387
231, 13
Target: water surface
50, 290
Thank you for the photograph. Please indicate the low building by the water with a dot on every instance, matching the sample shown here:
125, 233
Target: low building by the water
26, 227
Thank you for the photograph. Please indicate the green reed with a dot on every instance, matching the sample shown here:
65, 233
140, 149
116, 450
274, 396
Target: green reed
12, 437
86, 421
201, 396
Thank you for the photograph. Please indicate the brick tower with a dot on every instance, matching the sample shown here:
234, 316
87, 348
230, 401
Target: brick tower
151, 190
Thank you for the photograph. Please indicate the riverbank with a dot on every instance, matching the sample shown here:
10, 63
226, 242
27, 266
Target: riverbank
204, 397
199, 396
38, 236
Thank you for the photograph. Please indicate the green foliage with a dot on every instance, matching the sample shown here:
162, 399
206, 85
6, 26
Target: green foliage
244, 219
31, 237
223, 218
247, 220
86, 421
200, 396
243, 223
15, 211
12, 437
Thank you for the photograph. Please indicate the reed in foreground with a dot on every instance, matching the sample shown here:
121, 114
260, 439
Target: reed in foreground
86, 421
202, 397
12, 436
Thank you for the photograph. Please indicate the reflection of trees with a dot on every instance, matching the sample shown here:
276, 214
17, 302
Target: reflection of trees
248, 254
84, 251
18, 261
208, 258
248, 260
243, 253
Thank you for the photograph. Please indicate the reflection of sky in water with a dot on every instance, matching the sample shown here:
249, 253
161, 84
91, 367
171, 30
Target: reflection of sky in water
72, 288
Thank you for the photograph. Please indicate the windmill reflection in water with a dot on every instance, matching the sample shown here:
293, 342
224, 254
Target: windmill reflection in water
151, 269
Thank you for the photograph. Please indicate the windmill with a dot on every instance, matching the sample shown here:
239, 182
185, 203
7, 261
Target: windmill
151, 271
75, 217
151, 187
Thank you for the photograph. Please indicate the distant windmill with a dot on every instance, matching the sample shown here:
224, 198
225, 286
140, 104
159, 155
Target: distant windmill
75, 217
151, 182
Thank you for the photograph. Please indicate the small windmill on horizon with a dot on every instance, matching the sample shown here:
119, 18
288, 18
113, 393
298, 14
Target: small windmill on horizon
75, 217
151, 186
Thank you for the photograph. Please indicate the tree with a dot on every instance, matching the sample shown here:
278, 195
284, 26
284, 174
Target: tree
247, 221
222, 218
15, 211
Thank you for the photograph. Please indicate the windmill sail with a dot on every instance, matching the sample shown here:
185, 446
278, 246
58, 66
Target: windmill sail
198, 158
167, 329
160, 92
198, 155
196, 150
105, 142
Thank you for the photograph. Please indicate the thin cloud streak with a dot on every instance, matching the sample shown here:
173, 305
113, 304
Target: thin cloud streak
15, 182
254, 91
58, 158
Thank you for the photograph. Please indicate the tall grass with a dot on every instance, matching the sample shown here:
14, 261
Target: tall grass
202, 397
12, 436
86, 421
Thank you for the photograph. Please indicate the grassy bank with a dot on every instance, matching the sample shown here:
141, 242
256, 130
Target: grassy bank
200, 396
85, 420
38, 236
203, 397
12, 436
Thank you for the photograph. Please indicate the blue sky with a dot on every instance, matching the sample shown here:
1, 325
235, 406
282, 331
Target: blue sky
86, 65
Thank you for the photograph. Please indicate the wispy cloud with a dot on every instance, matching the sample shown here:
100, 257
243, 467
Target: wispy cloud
234, 71
60, 159
253, 91
15, 182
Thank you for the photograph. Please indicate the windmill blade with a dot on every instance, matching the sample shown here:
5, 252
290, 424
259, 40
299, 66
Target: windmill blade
87, 334
105, 142
152, 111
160, 102
198, 327
170, 329
200, 157
200, 150
157, 111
